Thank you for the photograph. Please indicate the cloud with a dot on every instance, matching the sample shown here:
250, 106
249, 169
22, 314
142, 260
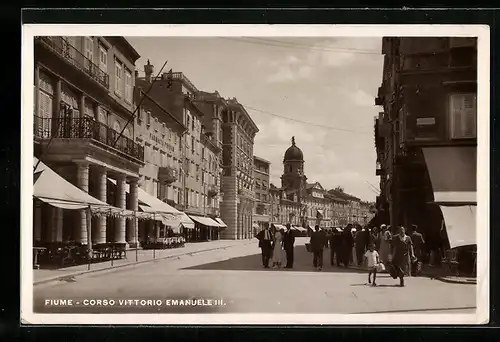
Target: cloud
361, 98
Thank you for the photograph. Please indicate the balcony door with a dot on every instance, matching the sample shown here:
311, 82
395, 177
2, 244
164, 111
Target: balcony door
43, 116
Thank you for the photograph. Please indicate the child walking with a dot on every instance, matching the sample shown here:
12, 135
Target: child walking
373, 260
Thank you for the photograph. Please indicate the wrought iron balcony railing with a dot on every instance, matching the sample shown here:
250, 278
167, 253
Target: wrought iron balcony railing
86, 128
72, 55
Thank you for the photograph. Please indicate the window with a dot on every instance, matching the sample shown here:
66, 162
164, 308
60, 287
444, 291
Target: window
463, 115
89, 51
118, 78
128, 86
116, 126
192, 144
103, 58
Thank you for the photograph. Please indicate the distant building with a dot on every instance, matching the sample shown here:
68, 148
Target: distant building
308, 204
261, 214
426, 136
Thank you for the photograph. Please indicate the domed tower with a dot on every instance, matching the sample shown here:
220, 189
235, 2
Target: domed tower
293, 177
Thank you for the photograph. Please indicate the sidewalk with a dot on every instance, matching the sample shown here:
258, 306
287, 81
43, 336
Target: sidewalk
437, 273
42, 276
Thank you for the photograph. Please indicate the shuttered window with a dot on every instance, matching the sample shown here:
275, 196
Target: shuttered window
463, 116
70, 99
89, 51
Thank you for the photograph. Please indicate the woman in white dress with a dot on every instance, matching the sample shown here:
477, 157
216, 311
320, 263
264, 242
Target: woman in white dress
278, 249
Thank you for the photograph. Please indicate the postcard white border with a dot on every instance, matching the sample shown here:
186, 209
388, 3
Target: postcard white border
483, 233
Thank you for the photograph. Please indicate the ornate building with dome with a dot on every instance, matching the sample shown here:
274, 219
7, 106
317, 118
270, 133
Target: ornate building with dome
307, 204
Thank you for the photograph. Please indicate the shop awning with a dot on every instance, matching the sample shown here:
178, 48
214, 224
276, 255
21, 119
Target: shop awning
206, 221
299, 228
320, 212
186, 222
452, 171
460, 223
153, 204
219, 221
53, 189
279, 226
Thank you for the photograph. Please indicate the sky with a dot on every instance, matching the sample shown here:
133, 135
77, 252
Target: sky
327, 82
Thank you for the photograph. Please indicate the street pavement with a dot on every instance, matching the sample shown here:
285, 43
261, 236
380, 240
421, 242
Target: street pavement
235, 276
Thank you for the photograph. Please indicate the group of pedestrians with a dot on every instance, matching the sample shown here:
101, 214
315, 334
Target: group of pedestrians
277, 248
379, 248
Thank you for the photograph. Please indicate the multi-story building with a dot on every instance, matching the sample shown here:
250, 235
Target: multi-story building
195, 190
83, 101
238, 134
261, 185
426, 136
160, 133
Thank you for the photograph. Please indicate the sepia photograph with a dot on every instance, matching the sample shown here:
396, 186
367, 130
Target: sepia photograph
218, 174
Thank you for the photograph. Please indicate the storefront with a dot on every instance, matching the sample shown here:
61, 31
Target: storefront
206, 228
452, 172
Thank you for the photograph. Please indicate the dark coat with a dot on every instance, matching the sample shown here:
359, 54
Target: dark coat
318, 240
289, 239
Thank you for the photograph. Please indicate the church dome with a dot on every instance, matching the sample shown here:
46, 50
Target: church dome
293, 153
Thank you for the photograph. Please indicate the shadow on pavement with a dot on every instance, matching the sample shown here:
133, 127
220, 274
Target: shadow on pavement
303, 262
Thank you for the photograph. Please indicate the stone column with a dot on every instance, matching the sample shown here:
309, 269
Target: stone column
99, 235
82, 180
82, 106
133, 231
120, 203
57, 225
37, 221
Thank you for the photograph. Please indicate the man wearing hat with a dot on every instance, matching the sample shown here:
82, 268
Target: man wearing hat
265, 238
317, 245
288, 242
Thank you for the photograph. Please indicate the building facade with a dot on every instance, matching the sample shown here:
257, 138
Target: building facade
426, 136
238, 134
84, 105
196, 189
261, 183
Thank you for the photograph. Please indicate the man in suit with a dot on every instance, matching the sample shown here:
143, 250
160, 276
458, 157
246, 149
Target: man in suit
317, 245
288, 242
265, 243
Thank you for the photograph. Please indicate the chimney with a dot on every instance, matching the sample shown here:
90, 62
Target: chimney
148, 70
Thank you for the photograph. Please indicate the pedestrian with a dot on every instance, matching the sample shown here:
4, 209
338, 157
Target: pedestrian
265, 243
372, 260
335, 246
418, 242
402, 254
347, 245
385, 244
317, 244
278, 248
288, 241
360, 242
375, 238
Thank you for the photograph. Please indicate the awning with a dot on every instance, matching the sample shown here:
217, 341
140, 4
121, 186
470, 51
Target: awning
279, 226
152, 203
206, 221
460, 222
320, 212
53, 189
452, 171
186, 222
222, 224
299, 228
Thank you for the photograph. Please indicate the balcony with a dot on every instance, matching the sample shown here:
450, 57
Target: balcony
73, 56
86, 128
167, 175
212, 191
213, 211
